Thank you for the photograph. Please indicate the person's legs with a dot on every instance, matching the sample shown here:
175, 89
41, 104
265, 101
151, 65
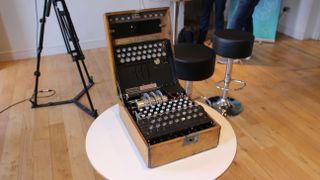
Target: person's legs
220, 6
249, 22
240, 15
248, 25
204, 19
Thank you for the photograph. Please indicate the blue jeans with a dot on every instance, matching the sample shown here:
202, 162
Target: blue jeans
242, 19
205, 16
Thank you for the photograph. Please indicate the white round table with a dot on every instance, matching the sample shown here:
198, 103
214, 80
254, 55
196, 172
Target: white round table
113, 154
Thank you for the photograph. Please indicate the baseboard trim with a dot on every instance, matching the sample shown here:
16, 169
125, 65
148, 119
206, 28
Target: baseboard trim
31, 53
291, 32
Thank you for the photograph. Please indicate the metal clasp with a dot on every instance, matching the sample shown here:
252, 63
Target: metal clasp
190, 139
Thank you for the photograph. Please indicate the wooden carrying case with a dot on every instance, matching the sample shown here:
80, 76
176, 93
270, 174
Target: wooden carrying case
127, 27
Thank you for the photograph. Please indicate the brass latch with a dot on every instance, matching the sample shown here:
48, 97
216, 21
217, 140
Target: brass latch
190, 139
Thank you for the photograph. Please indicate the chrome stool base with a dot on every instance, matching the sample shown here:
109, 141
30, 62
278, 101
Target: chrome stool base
227, 107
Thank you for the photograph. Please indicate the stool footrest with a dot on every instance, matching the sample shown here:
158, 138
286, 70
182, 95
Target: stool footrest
243, 84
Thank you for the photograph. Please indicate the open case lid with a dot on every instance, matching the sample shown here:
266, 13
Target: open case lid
131, 29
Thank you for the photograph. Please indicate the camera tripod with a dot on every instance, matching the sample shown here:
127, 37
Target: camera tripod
73, 48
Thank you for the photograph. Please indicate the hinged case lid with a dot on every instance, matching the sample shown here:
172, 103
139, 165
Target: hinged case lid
131, 35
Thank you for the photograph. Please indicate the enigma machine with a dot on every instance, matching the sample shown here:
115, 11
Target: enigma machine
163, 122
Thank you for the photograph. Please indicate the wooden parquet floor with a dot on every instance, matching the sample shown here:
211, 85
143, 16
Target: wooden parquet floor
278, 132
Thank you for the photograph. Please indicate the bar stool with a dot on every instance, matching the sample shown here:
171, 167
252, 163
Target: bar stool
230, 44
193, 62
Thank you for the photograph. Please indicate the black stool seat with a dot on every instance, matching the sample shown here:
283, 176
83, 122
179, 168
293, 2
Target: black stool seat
231, 43
194, 62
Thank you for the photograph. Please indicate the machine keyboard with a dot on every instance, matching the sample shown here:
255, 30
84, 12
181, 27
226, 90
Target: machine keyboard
172, 119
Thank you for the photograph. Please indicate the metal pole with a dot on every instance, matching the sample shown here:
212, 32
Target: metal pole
176, 6
227, 79
188, 87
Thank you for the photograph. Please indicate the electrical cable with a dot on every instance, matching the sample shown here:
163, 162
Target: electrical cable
53, 92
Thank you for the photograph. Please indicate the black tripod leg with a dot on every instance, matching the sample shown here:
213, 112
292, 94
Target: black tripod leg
86, 89
37, 73
86, 71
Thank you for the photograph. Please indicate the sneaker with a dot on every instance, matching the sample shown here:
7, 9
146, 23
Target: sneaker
247, 58
222, 60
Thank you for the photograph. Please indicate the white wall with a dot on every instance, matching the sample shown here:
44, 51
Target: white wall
300, 22
18, 24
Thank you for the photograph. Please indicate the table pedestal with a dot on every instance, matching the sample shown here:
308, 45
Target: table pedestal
113, 154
